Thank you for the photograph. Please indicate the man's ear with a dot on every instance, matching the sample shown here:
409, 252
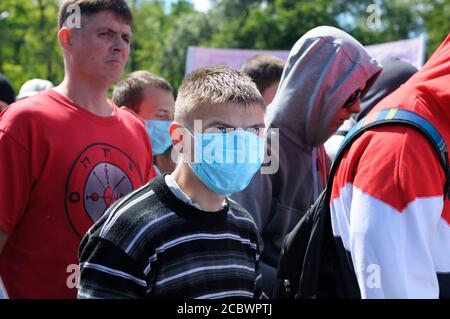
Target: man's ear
177, 134
65, 38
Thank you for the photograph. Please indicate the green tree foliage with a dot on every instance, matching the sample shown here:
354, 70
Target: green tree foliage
273, 24
149, 29
436, 18
398, 20
163, 30
28, 46
193, 29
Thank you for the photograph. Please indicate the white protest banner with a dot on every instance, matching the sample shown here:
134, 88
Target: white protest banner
198, 57
410, 50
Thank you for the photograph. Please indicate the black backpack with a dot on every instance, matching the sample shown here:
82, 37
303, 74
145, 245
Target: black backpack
310, 266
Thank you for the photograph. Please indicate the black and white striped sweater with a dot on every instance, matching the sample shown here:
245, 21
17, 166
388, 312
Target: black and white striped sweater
150, 244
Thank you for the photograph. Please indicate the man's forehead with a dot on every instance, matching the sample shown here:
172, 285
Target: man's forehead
229, 117
166, 107
159, 92
107, 20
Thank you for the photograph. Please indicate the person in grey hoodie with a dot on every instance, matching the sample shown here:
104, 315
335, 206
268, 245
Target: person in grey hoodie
395, 73
326, 74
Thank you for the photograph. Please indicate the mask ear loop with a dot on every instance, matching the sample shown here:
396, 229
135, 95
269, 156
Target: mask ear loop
177, 137
189, 132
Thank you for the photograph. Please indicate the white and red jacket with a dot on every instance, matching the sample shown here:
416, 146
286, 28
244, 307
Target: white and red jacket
387, 206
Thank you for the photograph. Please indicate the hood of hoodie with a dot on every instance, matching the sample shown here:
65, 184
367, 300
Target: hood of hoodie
395, 73
324, 67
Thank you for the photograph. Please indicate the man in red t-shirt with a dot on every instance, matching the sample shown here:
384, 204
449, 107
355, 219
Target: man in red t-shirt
67, 154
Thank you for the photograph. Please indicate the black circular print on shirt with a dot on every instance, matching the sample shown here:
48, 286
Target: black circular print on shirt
100, 175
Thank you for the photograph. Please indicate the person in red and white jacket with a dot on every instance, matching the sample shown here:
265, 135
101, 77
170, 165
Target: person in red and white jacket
389, 214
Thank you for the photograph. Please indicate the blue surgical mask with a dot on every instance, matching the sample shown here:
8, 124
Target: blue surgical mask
226, 162
159, 134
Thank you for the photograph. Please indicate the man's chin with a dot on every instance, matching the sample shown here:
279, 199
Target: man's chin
114, 78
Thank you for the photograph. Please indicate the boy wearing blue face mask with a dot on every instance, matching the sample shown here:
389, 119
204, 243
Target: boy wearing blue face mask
151, 98
180, 236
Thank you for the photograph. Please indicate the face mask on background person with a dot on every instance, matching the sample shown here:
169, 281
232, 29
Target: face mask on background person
226, 162
159, 134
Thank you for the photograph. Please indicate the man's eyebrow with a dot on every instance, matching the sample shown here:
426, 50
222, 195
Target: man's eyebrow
221, 123
107, 29
218, 122
260, 124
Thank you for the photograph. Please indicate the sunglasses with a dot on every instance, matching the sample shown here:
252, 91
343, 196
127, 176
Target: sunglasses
352, 99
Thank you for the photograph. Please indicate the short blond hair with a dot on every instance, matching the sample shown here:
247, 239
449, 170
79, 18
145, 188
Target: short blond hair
213, 86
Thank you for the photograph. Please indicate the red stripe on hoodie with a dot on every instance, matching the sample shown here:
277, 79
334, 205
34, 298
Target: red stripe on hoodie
384, 163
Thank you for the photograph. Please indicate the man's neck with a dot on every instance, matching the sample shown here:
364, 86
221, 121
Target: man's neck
196, 190
165, 163
90, 97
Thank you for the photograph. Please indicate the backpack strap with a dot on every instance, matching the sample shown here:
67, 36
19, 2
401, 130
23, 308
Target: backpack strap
308, 266
397, 116
327, 248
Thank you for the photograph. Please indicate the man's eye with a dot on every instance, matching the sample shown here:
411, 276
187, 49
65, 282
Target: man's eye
254, 130
223, 129
106, 35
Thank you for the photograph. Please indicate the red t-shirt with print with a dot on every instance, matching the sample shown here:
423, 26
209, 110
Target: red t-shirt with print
61, 167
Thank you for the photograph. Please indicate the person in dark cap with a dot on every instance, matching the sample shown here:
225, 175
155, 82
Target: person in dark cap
6, 92
395, 73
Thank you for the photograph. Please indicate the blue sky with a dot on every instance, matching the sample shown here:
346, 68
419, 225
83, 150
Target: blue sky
201, 5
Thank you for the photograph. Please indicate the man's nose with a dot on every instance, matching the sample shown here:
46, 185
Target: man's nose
120, 45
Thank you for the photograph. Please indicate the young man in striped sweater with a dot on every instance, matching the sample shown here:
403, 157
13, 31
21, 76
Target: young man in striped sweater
180, 236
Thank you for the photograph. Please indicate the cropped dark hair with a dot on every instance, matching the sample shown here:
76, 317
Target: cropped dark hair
89, 7
129, 91
264, 70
